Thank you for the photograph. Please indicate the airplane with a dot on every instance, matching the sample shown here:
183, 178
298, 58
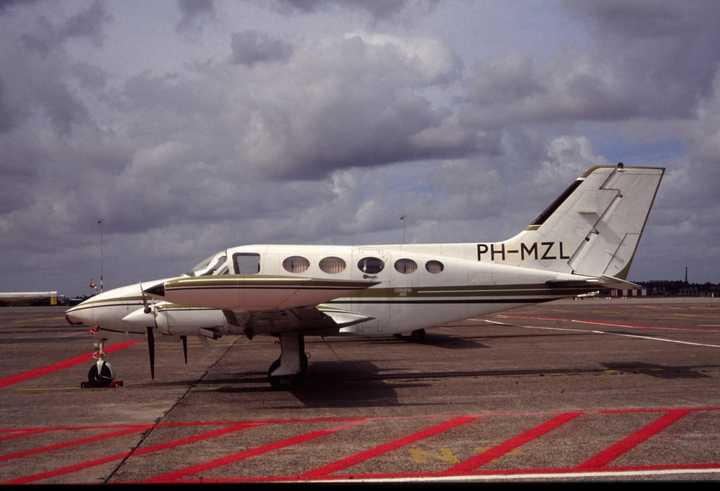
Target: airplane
585, 240
29, 298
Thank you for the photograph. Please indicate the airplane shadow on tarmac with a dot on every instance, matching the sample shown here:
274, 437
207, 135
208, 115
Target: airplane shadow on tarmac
456, 342
660, 371
331, 384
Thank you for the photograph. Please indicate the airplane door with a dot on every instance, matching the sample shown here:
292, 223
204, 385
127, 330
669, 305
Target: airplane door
370, 263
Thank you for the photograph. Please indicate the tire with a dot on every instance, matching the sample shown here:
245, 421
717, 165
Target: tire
418, 334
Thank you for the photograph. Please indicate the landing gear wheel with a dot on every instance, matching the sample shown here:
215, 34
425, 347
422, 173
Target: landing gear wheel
102, 377
273, 366
287, 381
283, 382
417, 335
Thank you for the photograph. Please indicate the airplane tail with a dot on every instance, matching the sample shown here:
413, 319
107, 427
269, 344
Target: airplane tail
592, 229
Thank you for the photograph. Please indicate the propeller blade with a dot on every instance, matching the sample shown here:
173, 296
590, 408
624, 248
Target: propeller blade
144, 300
184, 344
151, 349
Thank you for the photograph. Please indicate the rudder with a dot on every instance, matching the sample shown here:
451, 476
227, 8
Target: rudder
592, 229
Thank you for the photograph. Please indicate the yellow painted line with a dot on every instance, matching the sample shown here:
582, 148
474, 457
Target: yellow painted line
49, 389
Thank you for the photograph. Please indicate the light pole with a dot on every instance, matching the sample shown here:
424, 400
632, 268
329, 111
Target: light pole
100, 224
402, 218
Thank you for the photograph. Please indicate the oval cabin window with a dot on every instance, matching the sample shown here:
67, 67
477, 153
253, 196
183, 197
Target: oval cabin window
405, 266
296, 264
332, 265
371, 265
434, 266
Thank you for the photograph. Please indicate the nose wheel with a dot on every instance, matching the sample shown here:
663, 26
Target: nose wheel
288, 371
101, 374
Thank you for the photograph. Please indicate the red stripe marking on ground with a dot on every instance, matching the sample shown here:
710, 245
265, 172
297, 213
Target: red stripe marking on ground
118, 456
72, 443
385, 448
498, 451
25, 433
623, 446
39, 372
173, 476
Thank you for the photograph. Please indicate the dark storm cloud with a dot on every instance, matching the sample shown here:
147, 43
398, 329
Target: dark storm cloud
379, 9
647, 59
250, 47
6, 5
88, 23
7, 118
194, 14
664, 54
333, 104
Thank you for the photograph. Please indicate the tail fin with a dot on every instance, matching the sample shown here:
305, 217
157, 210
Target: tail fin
592, 229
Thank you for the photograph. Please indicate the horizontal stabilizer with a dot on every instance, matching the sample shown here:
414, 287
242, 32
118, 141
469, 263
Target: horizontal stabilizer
594, 283
344, 318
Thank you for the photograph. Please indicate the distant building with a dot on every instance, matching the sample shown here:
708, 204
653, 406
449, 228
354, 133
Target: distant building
29, 298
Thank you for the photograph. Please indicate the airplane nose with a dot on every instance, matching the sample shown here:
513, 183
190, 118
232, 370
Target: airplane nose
76, 316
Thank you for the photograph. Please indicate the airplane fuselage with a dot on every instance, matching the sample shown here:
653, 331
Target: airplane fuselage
418, 286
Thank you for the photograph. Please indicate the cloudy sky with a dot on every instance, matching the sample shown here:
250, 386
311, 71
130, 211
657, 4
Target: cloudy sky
192, 125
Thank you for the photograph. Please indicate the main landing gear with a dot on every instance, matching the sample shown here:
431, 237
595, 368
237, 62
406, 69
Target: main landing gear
288, 371
416, 335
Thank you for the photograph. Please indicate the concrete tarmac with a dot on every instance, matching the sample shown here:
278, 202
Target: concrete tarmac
592, 389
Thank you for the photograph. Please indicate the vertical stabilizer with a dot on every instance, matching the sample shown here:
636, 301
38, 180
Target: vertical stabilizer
592, 229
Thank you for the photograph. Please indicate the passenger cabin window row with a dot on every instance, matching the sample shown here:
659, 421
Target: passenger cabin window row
334, 265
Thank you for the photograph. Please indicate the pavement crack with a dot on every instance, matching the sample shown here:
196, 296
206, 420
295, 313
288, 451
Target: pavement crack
159, 419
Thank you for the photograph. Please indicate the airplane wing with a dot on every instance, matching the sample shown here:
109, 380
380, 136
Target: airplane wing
310, 320
255, 293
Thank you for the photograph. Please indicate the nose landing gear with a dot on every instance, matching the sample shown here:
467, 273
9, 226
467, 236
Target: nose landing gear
101, 373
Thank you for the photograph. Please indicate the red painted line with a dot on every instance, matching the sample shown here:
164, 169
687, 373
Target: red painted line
623, 446
119, 456
498, 451
174, 476
170, 424
70, 362
385, 448
72, 443
24, 433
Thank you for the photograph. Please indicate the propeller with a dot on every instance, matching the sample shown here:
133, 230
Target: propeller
150, 332
184, 345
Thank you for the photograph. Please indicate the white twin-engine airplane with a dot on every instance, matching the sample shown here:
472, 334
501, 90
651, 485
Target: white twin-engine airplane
585, 240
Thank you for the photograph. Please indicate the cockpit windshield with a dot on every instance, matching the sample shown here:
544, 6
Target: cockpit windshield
209, 266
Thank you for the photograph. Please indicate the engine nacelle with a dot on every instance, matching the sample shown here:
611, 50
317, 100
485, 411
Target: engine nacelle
175, 320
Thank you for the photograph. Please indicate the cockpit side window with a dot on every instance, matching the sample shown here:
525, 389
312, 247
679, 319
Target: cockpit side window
246, 263
201, 268
216, 265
